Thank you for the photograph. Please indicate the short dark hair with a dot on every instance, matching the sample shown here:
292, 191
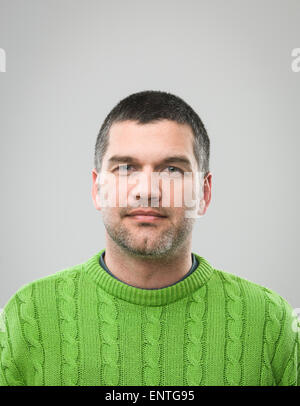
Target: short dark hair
153, 105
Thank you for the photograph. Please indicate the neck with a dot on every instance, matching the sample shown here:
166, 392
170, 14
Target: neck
147, 273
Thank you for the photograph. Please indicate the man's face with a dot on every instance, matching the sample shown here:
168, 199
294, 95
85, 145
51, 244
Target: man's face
135, 155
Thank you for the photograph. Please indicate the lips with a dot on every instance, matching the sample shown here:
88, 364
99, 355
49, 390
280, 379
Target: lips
150, 213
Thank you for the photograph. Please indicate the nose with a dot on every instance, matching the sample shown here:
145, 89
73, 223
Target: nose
146, 190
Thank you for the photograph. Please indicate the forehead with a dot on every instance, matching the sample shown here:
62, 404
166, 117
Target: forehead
157, 138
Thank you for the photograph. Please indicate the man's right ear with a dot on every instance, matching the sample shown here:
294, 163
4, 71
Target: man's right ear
95, 189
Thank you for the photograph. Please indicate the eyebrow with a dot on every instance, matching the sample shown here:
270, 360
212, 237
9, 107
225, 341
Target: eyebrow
170, 159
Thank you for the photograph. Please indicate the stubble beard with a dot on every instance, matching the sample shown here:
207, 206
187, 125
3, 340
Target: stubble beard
154, 245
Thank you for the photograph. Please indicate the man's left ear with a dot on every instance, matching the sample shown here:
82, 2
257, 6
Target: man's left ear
206, 196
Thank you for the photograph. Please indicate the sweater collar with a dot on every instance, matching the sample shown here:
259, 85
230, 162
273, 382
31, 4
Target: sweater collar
150, 297
193, 267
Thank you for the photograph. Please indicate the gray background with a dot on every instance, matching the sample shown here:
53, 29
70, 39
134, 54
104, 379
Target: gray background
69, 62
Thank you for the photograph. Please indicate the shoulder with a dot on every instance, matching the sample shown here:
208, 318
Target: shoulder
256, 295
263, 308
42, 287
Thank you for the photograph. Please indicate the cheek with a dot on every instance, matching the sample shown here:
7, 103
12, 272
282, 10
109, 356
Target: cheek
113, 193
188, 197
171, 192
121, 192
178, 193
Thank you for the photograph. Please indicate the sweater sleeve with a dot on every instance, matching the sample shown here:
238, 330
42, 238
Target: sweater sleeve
287, 353
10, 348
298, 366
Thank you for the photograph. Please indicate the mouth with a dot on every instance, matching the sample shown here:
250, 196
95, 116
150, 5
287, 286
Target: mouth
146, 218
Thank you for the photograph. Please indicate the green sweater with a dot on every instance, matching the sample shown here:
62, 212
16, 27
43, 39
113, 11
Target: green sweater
81, 326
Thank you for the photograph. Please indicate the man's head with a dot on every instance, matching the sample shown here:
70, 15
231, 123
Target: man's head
150, 106
150, 133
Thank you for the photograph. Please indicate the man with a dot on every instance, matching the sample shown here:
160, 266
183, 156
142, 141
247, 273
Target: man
146, 310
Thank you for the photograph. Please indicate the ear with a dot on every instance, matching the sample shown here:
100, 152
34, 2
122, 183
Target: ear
95, 189
204, 202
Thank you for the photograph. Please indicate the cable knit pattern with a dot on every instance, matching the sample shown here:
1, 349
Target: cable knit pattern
82, 326
234, 316
31, 332
152, 329
290, 377
110, 351
66, 302
195, 341
9, 369
271, 333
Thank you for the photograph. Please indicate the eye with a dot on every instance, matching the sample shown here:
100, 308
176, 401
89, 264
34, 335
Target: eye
123, 168
175, 170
